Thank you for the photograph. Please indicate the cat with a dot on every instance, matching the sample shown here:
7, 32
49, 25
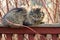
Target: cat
20, 16
14, 17
36, 16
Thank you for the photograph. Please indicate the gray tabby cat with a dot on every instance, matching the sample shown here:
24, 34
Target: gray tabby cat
19, 17
15, 17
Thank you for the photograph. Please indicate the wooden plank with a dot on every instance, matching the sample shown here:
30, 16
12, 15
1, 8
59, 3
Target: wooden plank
41, 30
31, 37
9, 37
20, 37
42, 37
0, 36
54, 37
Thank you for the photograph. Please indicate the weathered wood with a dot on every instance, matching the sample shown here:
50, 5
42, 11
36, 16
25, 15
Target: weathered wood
54, 37
22, 30
9, 37
20, 37
31, 37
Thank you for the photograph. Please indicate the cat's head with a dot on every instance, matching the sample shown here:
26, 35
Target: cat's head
36, 14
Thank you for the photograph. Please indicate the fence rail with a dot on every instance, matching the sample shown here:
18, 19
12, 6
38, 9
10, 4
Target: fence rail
45, 33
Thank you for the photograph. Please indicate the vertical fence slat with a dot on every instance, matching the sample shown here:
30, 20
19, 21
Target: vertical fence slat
58, 37
49, 36
9, 37
37, 37
0, 36
26, 37
20, 37
31, 37
54, 37
42, 37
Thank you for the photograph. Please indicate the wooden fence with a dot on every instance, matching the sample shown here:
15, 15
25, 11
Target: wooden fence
45, 33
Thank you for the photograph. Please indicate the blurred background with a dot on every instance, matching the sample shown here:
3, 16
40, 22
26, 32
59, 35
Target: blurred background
51, 8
